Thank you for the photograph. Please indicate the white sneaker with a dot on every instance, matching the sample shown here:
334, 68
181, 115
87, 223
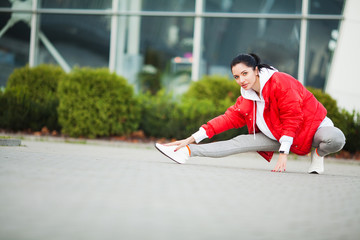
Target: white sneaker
317, 163
180, 156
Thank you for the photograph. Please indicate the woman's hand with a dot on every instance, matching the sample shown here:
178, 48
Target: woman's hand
181, 143
281, 163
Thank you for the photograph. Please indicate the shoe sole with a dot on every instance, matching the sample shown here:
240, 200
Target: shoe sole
166, 154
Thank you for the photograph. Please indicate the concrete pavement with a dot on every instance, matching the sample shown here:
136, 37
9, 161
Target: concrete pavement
58, 191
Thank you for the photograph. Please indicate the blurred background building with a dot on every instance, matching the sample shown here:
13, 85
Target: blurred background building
179, 40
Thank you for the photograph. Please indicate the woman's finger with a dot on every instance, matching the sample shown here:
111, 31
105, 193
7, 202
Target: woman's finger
173, 143
180, 146
276, 168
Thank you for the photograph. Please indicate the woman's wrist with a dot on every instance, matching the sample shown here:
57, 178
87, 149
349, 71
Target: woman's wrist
190, 139
286, 143
199, 135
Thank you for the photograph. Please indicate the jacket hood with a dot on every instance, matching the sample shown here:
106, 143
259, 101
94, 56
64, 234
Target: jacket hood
264, 75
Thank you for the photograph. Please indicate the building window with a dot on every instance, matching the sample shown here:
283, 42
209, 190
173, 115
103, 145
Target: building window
80, 40
275, 41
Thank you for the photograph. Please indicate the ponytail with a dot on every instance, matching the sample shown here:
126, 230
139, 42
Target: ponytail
251, 60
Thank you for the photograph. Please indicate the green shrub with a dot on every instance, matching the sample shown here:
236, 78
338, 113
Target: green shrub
97, 103
205, 99
196, 112
330, 104
30, 98
208, 98
18, 100
163, 117
214, 88
160, 115
352, 121
349, 123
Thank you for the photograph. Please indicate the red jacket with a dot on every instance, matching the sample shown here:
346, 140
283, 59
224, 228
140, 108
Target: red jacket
290, 109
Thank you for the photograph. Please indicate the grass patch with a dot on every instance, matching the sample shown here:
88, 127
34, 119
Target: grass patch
5, 137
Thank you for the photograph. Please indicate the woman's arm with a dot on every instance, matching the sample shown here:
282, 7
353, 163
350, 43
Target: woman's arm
232, 118
289, 95
289, 100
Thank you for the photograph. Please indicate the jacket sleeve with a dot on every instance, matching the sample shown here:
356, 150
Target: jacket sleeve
289, 96
232, 118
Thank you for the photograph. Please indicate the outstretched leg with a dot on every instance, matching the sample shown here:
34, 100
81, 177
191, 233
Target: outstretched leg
239, 144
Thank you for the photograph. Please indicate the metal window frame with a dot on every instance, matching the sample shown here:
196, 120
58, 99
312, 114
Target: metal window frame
303, 41
34, 35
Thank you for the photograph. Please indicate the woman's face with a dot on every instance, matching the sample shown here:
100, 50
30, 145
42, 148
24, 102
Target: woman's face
245, 76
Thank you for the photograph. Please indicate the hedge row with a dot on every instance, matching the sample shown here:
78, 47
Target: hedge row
96, 103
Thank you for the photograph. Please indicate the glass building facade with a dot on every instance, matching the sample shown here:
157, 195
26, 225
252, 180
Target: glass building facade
180, 40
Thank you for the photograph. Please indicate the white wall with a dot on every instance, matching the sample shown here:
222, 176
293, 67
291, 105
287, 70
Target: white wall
344, 77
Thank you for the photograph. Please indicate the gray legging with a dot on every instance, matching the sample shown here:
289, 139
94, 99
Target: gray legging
326, 139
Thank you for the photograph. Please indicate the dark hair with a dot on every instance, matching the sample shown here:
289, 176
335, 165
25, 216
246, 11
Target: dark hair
250, 60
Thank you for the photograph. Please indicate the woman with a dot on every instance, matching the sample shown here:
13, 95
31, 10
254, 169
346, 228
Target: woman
280, 113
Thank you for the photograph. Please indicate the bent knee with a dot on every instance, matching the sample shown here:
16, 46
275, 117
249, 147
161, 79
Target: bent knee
338, 140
